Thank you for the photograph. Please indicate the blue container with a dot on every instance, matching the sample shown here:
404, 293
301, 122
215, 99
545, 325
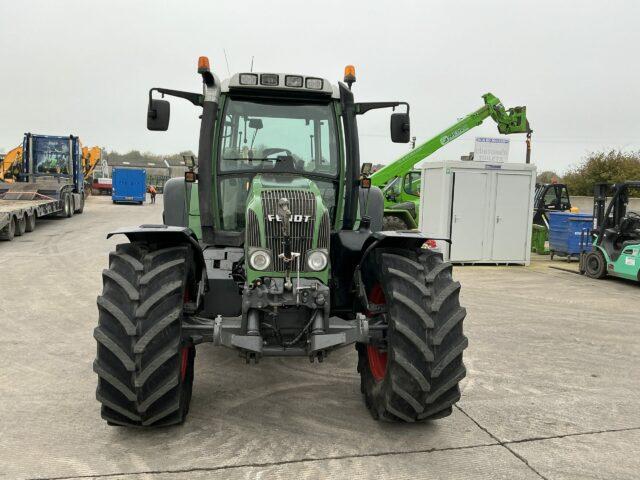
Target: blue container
129, 185
569, 233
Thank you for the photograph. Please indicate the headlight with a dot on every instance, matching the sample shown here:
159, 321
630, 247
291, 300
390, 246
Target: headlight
314, 83
317, 260
260, 260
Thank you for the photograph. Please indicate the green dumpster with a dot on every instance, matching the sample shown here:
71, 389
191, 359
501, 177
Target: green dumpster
539, 240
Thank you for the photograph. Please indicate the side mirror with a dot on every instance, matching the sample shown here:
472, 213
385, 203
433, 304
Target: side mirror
400, 128
255, 123
158, 115
366, 169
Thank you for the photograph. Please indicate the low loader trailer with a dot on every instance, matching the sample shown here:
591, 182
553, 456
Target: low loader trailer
50, 183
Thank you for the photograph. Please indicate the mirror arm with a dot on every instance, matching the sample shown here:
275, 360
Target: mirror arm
362, 108
195, 98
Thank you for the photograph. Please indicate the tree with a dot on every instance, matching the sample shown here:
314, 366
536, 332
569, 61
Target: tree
608, 167
547, 177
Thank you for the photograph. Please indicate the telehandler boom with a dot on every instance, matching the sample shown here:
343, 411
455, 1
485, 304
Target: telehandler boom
401, 184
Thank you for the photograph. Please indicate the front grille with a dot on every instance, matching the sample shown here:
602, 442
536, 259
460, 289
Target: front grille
253, 229
324, 231
302, 203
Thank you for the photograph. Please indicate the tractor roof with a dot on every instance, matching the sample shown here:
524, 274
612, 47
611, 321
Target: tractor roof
283, 82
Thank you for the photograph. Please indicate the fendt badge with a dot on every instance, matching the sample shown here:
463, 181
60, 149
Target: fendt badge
294, 218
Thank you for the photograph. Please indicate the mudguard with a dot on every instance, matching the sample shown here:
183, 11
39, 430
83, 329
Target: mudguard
163, 234
349, 248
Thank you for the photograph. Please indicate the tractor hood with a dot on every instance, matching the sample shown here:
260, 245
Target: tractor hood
309, 224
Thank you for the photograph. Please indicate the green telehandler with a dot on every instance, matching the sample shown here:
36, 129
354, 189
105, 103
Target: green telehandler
616, 234
274, 246
400, 183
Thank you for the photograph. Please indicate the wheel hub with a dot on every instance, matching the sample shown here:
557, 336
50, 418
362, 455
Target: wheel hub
377, 358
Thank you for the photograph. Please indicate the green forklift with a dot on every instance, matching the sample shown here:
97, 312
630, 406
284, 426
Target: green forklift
616, 234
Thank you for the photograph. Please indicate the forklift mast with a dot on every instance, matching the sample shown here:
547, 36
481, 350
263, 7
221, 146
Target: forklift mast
609, 217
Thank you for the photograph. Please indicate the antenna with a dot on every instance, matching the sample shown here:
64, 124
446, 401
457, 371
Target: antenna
226, 60
251, 70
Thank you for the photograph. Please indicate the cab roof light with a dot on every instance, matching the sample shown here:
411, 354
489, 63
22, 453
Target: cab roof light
293, 81
349, 75
314, 83
203, 65
269, 80
248, 79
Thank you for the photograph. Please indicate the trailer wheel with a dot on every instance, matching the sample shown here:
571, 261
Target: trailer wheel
9, 231
595, 266
413, 374
31, 222
21, 226
144, 367
81, 207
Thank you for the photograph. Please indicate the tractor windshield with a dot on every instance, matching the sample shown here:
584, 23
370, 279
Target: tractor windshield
269, 137
51, 155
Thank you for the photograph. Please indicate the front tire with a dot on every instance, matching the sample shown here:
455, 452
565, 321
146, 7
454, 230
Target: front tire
413, 375
595, 265
144, 367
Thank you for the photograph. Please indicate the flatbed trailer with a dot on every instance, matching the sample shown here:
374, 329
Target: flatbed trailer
22, 203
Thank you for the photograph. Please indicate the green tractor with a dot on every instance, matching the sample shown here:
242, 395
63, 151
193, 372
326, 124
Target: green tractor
616, 232
274, 247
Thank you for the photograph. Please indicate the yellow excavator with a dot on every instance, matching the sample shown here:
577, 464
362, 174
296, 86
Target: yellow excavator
10, 163
91, 157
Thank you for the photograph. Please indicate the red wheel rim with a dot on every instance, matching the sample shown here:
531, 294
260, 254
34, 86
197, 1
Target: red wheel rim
185, 362
377, 358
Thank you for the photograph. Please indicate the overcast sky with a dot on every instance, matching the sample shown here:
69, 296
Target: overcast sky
84, 67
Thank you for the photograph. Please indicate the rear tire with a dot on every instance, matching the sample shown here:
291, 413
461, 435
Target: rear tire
21, 226
595, 265
31, 222
393, 222
144, 367
81, 207
9, 231
414, 374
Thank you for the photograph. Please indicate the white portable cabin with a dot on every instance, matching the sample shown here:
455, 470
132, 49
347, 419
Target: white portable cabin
485, 209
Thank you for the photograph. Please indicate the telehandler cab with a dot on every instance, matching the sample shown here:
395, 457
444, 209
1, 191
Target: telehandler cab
274, 247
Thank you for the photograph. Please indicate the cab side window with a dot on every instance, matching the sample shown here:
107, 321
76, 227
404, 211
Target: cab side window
412, 183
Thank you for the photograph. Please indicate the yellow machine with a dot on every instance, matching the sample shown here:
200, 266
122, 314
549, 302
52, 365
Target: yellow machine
11, 161
91, 156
